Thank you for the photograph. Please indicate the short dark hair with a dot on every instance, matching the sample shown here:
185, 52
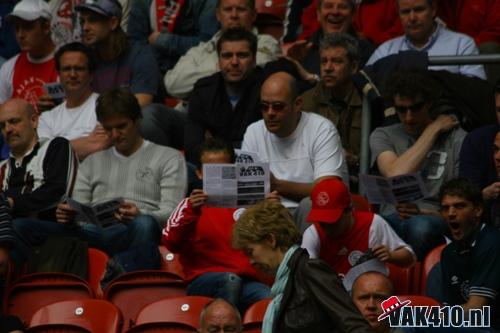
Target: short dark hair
464, 188
351, 4
344, 40
412, 84
235, 35
117, 102
214, 145
429, 2
76, 47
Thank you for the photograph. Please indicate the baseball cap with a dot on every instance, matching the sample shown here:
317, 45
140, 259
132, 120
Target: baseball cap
330, 197
108, 8
30, 10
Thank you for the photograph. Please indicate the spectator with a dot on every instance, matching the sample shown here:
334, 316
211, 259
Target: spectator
7, 239
369, 290
10, 324
423, 142
171, 27
24, 75
470, 265
202, 236
301, 147
479, 19
334, 16
491, 192
202, 60
38, 174
150, 178
424, 33
8, 43
225, 103
335, 97
341, 236
124, 64
220, 315
75, 118
120, 63
301, 302
476, 163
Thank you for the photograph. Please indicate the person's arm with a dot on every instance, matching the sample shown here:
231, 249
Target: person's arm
96, 141
7, 238
311, 242
173, 186
194, 131
6, 75
468, 47
411, 160
388, 246
294, 190
472, 164
334, 300
198, 62
59, 171
475, 302
207, 26
180, 225
268, 49
145, 76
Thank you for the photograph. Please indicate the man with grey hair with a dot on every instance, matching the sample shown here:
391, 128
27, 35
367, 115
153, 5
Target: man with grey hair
335, 96
424, 33
220, 315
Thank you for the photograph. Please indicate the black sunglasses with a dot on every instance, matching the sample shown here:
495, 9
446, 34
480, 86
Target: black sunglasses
276, 106
413, 108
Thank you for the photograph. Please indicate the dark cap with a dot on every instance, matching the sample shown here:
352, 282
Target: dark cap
108, 8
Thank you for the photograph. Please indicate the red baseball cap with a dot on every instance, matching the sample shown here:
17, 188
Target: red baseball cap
330, 197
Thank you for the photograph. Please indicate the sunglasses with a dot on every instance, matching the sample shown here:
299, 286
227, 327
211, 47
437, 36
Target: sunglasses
413, 108
276, 106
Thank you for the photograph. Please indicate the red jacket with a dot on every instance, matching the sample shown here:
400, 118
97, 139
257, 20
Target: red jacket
479, 19
203, 241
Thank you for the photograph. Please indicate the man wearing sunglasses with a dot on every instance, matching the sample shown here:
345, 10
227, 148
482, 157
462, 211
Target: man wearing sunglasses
424, 143
301, 147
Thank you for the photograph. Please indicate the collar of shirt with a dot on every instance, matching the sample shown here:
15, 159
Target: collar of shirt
29, 154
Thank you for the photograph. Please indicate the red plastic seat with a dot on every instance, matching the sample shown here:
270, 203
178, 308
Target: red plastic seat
33, 291
181, 314
419, 300
360, 203
430, 261
132, 291
91, 315
270, 15
254, 316
96, 270
170, 262
402, 278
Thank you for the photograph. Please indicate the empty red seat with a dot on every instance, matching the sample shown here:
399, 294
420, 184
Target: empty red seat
430, 261
90, 315
254, 315
170, 262
96, 269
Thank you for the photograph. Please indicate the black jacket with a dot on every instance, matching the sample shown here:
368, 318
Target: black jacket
315, 301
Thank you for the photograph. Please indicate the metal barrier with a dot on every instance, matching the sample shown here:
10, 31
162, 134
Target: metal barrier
364, 160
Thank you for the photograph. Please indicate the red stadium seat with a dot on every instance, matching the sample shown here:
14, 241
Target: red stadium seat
97, 268
132, 291
181, 314
430, 260
254, 315
92, 315
170, 262
33, 291
402, 278
270, 15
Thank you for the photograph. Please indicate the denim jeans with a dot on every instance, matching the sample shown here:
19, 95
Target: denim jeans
240, 292
421, 232
31, 232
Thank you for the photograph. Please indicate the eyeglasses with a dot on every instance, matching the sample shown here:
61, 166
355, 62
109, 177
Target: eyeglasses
276, 106
413, 108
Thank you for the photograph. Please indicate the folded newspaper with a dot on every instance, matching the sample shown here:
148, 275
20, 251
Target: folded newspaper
404, 188
102, 214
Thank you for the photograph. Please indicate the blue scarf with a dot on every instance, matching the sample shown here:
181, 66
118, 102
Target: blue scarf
277, 291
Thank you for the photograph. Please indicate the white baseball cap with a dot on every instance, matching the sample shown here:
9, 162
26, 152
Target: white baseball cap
30, 10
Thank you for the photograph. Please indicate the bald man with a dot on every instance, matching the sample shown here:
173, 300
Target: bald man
302, 148
219, 315
37, 175
368, 292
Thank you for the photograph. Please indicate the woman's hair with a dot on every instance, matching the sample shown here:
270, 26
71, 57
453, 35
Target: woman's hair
259, 222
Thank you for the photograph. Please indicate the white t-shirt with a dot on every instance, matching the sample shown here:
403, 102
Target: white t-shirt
380, 233
70, 123
312, 151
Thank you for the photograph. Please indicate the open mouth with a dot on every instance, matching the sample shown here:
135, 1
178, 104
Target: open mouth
454, 225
